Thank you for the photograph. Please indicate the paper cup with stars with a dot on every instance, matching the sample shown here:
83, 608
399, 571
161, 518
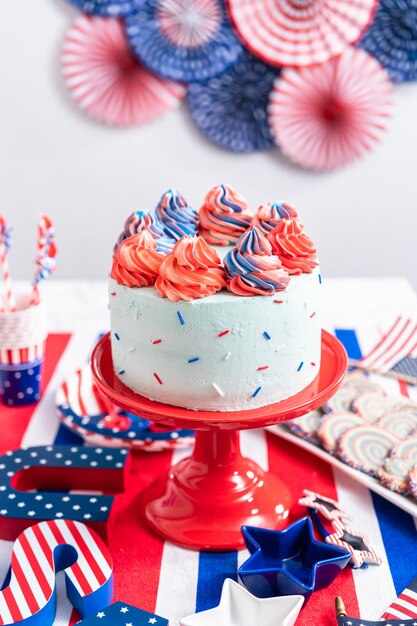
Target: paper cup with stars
184, 40
231, 109
22, 341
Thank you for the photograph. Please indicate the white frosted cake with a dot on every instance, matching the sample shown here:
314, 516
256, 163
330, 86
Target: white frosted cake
190, 330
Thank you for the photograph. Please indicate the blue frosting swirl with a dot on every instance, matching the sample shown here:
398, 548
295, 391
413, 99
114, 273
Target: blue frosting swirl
145, 220
177, 217
252, 268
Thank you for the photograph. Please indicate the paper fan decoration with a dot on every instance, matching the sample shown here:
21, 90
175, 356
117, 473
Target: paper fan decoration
107, 8
231, 110
324, 116
186, 40
299, 32
392, 38
107, 81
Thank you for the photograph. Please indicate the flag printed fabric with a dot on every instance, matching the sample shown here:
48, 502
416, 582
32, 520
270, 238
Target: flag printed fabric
392, 350
168, 581
405, 606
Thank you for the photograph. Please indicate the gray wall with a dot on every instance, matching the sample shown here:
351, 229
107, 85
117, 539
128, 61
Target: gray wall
88, 177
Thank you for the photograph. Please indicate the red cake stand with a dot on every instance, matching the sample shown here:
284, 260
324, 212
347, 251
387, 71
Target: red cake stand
208, 496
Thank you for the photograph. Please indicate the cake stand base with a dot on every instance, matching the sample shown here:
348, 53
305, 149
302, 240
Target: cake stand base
208, 496
211, 494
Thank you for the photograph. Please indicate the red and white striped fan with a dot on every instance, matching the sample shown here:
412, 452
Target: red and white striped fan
323, 117
107, 81
300, 32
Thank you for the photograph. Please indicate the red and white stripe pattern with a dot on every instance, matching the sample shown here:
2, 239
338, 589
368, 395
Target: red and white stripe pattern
398, 342
405, 606
17, 356
325, 116
10, 298
32, 580
86, 407
299, 32
106, 80
341, 537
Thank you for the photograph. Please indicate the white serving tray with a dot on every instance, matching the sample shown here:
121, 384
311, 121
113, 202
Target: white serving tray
403, 502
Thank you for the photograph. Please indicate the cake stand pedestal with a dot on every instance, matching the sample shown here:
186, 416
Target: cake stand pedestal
208, 496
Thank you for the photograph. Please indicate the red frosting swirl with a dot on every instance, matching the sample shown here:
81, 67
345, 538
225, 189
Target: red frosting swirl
192, 270
293, 246
223, 216
137, 262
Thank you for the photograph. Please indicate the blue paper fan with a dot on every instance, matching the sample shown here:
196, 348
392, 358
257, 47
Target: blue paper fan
231, 110
392, 38
184, 40
108, 8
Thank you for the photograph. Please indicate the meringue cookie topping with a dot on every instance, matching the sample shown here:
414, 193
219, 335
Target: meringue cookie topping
252, 269
145, 220
268, 215
293, 246
176, 216
192, 270
137, 261
223, 216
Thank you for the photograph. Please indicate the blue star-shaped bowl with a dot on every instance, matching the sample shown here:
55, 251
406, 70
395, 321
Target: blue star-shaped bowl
290, 561
392, 38
154, 46
231, 109
108, 8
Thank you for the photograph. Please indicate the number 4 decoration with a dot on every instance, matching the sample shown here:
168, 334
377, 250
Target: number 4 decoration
122, 614
50, 472
28, 597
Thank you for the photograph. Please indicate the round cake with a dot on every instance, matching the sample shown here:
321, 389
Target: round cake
216, 310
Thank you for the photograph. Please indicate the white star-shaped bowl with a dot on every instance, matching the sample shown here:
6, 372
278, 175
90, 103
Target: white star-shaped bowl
238, 607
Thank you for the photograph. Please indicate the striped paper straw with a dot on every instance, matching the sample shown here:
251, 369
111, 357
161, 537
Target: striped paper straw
5, 242
45, 259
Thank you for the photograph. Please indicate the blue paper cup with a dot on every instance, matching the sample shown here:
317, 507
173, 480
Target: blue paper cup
21, 384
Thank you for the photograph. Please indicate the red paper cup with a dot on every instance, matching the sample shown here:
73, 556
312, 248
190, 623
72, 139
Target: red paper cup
22, 345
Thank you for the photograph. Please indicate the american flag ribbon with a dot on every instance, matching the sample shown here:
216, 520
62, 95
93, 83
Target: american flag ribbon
399, 342
167, 580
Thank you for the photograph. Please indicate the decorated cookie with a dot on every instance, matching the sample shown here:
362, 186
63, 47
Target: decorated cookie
365, 448
413, 481
394, 474
372, 406
330, 509
341, 401
306, 426
406, 450
361, 383
400, 424
334, 425
354, 542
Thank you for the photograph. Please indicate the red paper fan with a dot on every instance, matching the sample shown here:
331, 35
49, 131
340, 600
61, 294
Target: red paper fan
324, 116
300, 32
107, 81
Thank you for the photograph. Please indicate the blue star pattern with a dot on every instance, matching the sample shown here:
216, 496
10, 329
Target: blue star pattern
53, 471
407, 366
108, 8
392, 38
290, 561
20, 384
231, 110
122, 614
